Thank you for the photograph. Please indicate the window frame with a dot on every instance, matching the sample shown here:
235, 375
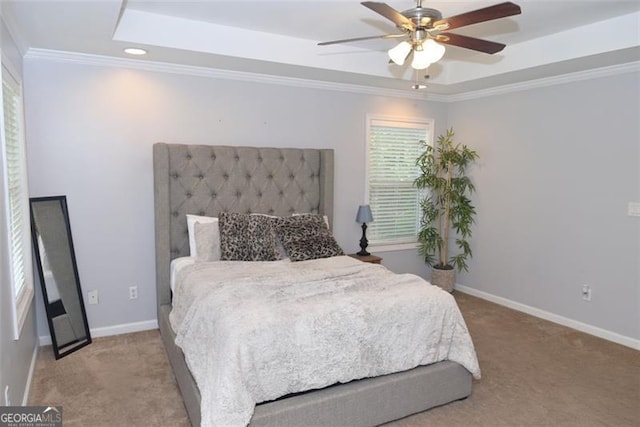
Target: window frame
20, 298
429, 125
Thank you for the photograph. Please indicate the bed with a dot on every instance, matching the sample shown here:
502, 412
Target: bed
208, 180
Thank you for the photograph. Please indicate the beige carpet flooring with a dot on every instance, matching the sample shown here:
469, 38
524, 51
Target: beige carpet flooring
534, 373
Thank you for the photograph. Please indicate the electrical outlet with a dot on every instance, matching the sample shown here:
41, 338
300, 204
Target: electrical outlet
133, 292
633, 209
586, 292
7, 401
93, 297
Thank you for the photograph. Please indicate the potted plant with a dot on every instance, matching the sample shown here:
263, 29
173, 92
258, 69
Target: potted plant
445, 207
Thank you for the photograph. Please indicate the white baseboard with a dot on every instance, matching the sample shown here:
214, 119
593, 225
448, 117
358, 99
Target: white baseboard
561, 320
106, 331
32, 368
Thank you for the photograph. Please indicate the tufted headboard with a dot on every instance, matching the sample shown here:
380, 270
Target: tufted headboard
207, 180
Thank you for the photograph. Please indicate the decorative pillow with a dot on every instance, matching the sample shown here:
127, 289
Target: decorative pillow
262, 239
191, 220
207, 241
325, 217
282, 253
306, 237
247, 238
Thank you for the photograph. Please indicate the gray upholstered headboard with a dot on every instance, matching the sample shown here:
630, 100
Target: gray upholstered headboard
208, 179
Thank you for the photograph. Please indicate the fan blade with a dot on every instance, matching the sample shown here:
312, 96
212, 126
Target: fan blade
390, 13
501, 10
385, 36
472, 43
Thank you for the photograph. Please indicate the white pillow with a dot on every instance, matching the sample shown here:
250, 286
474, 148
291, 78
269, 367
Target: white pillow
191, 220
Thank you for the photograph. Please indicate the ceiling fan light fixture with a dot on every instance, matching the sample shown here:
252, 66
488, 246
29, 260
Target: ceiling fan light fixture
420, 59
424, 27
427, 53
399, 53
434, 50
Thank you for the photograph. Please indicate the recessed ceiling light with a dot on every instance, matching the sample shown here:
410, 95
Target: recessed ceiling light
135, 51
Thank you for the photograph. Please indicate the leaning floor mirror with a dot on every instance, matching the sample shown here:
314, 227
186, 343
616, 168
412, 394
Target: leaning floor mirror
56, 264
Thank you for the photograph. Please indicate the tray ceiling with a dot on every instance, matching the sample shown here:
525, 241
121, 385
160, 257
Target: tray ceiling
280, 38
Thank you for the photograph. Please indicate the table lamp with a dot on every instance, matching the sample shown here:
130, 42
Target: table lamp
363, 217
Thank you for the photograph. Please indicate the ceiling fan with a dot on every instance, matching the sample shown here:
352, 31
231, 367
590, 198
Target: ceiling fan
427, 31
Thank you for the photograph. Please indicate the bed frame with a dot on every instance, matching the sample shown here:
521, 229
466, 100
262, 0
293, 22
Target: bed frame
207, 180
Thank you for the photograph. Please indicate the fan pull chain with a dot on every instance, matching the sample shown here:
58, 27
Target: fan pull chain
419, 85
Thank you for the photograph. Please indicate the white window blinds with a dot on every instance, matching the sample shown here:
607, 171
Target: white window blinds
394, 146
17, 198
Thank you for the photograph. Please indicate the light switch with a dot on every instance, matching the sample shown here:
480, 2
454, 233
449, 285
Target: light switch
634, 209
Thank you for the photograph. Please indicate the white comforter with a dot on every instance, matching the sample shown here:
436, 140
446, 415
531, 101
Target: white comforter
255, 331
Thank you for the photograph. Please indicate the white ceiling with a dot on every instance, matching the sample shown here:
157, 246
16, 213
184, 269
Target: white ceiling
280, 37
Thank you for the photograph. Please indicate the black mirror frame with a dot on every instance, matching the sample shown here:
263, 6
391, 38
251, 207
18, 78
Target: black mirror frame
34, 238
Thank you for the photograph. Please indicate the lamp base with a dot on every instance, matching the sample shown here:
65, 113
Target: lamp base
364, 242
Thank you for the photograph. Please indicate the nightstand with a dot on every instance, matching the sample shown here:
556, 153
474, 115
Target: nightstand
368, 258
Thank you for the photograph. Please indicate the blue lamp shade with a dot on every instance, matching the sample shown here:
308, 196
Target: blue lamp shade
364, 214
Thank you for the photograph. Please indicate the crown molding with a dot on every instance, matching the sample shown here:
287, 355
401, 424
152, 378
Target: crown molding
548, 81
191, 70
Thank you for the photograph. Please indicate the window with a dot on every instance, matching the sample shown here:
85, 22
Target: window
393, 147
16, 200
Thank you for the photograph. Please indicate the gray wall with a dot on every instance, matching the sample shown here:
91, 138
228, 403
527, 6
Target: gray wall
91, 129
558, 166
15, 355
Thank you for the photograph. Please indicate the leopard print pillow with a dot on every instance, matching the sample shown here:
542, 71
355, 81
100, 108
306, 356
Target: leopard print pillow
306, 237
246, 237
